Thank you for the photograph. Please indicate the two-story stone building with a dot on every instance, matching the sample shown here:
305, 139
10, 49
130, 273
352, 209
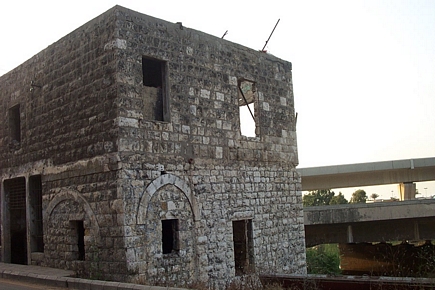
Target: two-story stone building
122, 156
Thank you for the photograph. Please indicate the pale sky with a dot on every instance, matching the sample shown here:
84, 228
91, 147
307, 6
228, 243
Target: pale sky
363, 71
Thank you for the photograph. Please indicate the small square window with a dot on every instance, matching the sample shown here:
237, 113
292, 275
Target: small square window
15, 124
170, 236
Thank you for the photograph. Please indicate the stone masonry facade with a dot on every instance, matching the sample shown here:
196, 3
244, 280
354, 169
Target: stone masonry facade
122, 156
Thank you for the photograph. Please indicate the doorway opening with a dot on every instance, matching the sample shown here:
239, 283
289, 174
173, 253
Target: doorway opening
243, 247
15, 190
35, 199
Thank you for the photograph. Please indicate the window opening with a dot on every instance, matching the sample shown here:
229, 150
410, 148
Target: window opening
246, 101
170, 236
15, 190
243, 246
15, 123
79, 228
36, 230
154, 81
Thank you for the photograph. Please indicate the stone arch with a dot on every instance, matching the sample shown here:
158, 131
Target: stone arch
77, 197
158, 183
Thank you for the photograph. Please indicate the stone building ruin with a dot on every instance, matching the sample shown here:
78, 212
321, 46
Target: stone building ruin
122, 156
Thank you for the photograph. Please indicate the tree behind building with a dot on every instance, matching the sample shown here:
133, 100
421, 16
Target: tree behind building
359, 196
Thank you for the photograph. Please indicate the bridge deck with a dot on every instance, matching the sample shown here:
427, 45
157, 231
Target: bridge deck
373, 222
366, 174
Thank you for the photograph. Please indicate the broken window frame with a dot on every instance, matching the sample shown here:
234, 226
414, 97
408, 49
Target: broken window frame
248, 101
155, 75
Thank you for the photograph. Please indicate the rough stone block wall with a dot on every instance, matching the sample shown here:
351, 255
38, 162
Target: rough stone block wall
199, 152
67, 98
126, 146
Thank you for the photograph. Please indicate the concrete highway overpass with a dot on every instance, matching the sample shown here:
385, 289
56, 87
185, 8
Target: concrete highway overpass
371, 222
366, 174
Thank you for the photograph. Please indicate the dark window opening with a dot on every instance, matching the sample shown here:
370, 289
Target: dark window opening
79, 228
15, 190
243, 246
152, 71
170, 236
154, 81
246, 100
15, 123
36, 230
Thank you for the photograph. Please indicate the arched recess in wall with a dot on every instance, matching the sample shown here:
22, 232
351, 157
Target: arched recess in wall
158, 183
77, 197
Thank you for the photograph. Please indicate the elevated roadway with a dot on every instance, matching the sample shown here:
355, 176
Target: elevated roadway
371, 222
365, 174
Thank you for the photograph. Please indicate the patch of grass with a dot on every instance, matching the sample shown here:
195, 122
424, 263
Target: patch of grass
323, 259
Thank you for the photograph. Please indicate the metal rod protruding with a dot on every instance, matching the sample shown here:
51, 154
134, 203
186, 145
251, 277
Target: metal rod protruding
270, 35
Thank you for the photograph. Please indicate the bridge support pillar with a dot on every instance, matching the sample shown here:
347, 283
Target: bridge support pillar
407, 190
349, 234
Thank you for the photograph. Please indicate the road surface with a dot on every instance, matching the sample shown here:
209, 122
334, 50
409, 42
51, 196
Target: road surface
17, 285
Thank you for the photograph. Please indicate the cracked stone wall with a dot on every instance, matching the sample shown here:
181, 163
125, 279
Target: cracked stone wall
112, 157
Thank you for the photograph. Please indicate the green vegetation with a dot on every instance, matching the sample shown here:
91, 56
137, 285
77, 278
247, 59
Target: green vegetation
359, 196
328, 197
323, 197
374, 196
323, 259
338, 199
318, 197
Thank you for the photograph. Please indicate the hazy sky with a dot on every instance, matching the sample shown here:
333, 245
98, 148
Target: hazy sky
363, 71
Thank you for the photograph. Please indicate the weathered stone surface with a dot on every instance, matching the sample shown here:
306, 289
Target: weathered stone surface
111, 157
